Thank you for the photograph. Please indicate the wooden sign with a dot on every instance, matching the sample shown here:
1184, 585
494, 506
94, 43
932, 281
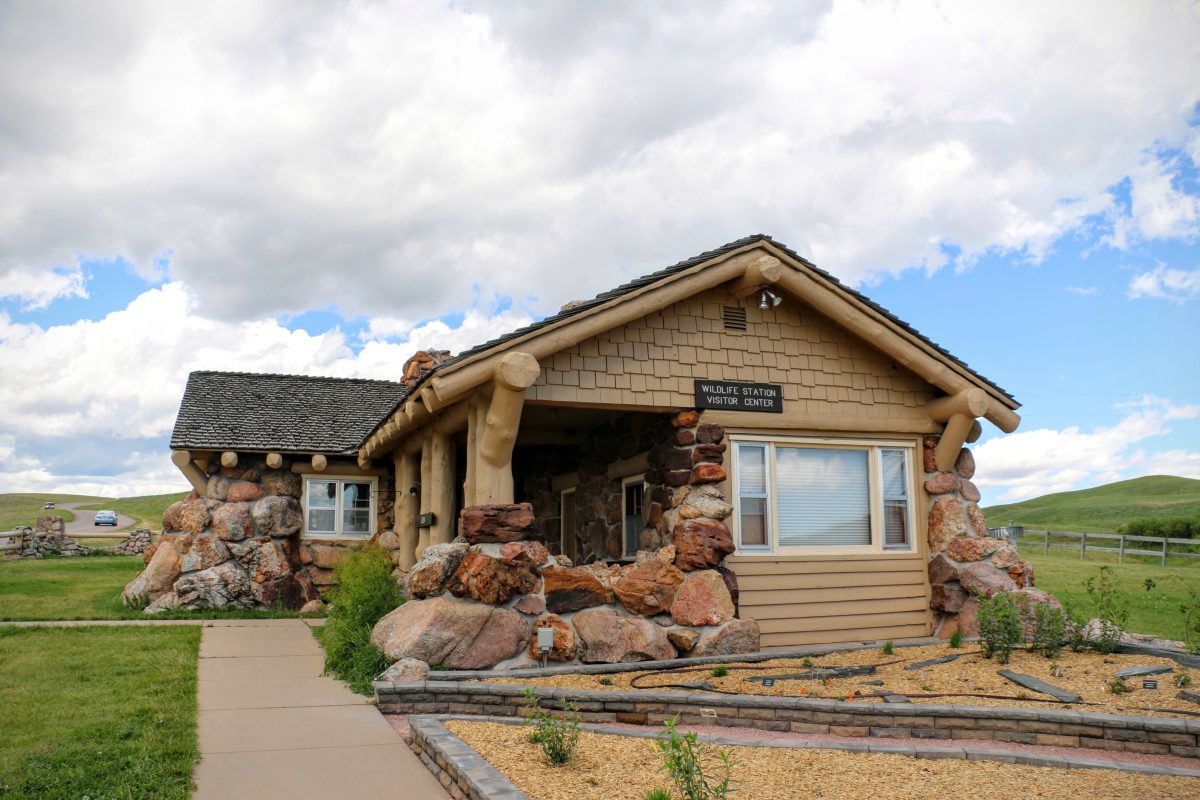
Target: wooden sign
739, 396
426, 520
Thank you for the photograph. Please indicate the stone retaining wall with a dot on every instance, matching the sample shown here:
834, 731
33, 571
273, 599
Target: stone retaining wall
462, 772
1053, 727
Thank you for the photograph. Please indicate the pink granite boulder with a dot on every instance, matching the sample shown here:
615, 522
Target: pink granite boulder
702, 599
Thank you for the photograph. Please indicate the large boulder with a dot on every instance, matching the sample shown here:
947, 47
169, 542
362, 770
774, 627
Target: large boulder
225, 585
981, 578
1005, 556
456, 634
970, 548
429, 575
964, 465
327, 556
173, 516
949, 597
277, 516
736, 637
942, 483
156, 579
494, 581
206, 551
243, 491
232, 522
946, 522
702, 599
193, 517
684, 639
573, 588
705, 501
564, 638
496, 523
605, 637
406, 669
978, 523
700, 543
281, 482
1021, 573
534, 552
649, 588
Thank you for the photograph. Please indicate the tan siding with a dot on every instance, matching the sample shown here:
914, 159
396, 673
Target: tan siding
826, 371
800, 600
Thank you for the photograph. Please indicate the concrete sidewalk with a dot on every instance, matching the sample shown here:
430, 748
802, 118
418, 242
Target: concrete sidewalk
272, 727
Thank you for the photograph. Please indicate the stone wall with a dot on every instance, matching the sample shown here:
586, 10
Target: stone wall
50, 538
479, 601
239, 545
964, 561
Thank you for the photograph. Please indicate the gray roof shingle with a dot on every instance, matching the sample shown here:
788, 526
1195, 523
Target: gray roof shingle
287, 413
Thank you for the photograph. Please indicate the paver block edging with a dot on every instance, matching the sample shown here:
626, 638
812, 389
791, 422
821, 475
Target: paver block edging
445, 753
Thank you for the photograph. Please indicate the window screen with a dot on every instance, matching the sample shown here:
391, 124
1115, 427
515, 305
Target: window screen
752, 495
895, 498
356, 507
335, 507
823, 497
322, 506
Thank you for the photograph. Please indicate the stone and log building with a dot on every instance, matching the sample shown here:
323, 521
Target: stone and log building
733, 452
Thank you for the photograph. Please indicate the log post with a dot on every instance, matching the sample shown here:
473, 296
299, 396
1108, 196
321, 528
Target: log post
274, 460
193, 473
953, 437
442, 492
319, 462
474, 425
229, 459
408, 475
364, 462
515, 373
426, 485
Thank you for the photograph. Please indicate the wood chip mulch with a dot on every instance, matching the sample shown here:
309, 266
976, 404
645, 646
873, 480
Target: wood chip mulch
621, 768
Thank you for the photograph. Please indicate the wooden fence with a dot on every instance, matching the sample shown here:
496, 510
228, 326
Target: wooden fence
1086, 543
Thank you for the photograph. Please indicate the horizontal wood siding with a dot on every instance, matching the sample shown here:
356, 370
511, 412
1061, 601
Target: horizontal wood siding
814, 600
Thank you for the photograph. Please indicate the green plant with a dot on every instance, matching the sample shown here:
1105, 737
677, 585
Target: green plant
1076, 628
606, 682
558, 736
657, 794
999, 626
1112, 609
1048, 630
1182, 680
438, 668
1119, 686
956, 639
1191, 622
808, 662
720, 672
888, 648
697, 772
365, 592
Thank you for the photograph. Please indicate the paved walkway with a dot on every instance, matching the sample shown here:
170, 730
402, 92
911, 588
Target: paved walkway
272, 727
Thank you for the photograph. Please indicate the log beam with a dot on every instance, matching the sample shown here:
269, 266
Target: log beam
514, 373
229, 459
274, 460
408, 475
426, 466
766, 271
364, 462
319, 462
195, 476
626, 467
953, 438
972, 402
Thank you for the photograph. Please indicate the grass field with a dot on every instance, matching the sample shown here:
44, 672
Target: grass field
24, 509
147, 510
1154, 611
1103, 509
98, 713
85, 588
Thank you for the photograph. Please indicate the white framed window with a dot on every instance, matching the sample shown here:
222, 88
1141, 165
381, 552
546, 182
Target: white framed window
633, 495
335, 506
808, 496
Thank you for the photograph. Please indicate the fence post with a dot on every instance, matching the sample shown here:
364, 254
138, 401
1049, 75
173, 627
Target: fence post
1164, 555
1121, 552
1082, 545
1046, 544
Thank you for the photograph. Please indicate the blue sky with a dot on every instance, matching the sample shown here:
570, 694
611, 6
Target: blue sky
325, 189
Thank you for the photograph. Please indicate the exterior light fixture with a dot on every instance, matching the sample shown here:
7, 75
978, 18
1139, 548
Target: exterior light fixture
768, 299
545, 642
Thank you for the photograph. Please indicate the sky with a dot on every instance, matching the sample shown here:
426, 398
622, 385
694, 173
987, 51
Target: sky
326, 187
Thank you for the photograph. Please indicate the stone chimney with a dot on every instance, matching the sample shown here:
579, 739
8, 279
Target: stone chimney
420, 363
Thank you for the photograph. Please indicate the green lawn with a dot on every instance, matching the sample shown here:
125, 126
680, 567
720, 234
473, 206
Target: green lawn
98, 713
147, 510
1102, 509
24, 509
85, 588
1155, 611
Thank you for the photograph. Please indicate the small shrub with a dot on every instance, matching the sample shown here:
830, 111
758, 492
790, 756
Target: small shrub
558, 736
365, 592
1119, 686
888, 648
956, 639
1076, 630
697, 772
720, 672
999, 626
808, 662
657, 794
1048, 630
1112, 609
1182, 680
606, 682
438, 668
1191, 622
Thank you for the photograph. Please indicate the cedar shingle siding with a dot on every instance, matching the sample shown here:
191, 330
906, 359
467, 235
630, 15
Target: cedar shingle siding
289, 413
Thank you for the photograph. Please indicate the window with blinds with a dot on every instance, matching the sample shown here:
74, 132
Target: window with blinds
800, 497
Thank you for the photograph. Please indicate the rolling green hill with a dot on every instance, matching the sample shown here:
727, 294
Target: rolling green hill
147, 510
1102, 509
24, 508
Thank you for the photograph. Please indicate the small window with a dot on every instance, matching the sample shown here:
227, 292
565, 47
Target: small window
634, 491
734, 317
339, 507
752, 495
895, 499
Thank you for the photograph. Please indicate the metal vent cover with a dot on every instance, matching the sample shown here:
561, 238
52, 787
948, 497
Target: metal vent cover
735, 318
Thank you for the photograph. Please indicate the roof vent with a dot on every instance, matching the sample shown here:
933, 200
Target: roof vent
735, 318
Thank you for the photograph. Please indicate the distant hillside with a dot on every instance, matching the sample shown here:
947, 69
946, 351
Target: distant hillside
24, 508
1103, 508
147, 510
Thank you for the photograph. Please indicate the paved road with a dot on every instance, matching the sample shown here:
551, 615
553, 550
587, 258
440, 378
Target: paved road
84, 524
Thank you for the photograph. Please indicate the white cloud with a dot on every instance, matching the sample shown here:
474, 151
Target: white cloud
36, 288
388, 158
1081, 290
112, 386
1037, 462
1165, 283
